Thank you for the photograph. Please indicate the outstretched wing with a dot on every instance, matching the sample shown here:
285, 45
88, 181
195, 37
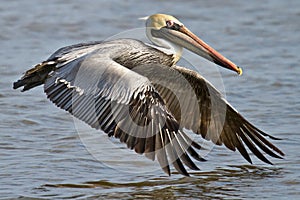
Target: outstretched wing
124, 104
198, 106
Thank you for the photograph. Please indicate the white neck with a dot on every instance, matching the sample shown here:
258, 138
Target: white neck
165, 46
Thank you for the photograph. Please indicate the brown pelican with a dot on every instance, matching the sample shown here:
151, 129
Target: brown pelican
135, 92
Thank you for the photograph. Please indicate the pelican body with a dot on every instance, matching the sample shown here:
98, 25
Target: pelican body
135, 92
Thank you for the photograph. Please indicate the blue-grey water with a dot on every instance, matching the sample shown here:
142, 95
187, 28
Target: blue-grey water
42, 155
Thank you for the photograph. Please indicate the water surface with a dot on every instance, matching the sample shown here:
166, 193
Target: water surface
42, 155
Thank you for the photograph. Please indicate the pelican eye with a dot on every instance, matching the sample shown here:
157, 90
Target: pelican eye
172, 25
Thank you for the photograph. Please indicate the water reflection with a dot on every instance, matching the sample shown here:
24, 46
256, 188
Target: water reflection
218, 184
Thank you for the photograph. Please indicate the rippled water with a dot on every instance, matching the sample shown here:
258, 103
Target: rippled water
42, 155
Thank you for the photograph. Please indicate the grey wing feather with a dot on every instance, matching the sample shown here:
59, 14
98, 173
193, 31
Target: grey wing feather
121, 102
198, 106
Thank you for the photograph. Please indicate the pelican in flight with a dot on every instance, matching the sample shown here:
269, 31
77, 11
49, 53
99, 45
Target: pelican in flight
135, 92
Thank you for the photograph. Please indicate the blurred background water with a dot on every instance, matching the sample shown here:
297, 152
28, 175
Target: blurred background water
42, 156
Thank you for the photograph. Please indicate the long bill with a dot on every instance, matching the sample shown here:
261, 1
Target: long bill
186, 39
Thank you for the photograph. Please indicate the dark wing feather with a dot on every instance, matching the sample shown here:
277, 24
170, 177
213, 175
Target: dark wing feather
198, 106
124, 104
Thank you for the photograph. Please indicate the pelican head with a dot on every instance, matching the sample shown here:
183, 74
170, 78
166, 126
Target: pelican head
167, 32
